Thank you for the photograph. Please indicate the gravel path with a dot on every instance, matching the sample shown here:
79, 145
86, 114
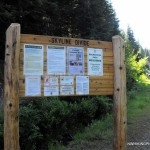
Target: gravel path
138, 136
138, 133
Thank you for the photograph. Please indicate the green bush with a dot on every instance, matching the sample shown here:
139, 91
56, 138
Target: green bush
29, 130
50, 121
1, 130
135, 66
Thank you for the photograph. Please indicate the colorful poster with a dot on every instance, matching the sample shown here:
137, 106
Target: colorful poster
32, 85
56, 60
82, 85
95, 62
75, 60
51, 86
33, 59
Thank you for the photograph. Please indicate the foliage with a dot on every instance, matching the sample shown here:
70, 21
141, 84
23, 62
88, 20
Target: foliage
7, 15
136, 67
1, 130
56, 146
96, 130
138, 101
102, 130
134, 45
91, 19
136, 61
135, 70
50, 121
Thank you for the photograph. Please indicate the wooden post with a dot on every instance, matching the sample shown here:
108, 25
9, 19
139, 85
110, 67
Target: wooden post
120, 116
11, 88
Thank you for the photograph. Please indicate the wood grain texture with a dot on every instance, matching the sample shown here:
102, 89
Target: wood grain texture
48, 40
120, 118
11, 95
96, 83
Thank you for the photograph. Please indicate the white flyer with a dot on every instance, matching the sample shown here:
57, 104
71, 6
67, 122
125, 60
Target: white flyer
33, 59
52, 90
95, 62
32, 85
56, 60
66, 80
67, 90
82, 85
75, 60
50, 80
51, 87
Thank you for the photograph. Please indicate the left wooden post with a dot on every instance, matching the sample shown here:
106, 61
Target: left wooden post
11, 88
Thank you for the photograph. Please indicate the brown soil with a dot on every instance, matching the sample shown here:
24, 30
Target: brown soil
138, 132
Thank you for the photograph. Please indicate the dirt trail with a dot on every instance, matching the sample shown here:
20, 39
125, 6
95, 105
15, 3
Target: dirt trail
138, 132
138, 136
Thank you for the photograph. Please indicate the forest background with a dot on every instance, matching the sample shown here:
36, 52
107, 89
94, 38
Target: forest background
57, 120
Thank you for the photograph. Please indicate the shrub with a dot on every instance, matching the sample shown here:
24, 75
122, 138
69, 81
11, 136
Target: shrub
49, 121
1, 130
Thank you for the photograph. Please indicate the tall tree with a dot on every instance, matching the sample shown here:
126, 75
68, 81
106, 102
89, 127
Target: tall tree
94, 19
7, 15
133, 43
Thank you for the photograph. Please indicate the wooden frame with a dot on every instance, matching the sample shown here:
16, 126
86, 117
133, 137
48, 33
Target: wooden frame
99, 85
112, 83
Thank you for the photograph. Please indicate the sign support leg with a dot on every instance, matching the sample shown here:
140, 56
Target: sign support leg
120, 117
11, 86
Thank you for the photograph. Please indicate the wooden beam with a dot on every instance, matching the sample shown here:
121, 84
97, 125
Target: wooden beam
120, 117
11, 86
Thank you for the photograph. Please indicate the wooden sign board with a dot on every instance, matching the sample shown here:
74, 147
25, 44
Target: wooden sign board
98, 84
111, 81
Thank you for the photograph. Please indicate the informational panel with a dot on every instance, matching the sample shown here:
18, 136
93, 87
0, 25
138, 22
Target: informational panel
56, 60
33, 59
51, 87
75, 60
95, 62
58, 66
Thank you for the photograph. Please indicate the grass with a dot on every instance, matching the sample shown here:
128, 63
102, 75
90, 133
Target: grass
138, 102
101, 129
56, 146
97, 130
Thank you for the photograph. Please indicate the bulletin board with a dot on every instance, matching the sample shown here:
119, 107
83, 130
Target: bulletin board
37, 66
60, 66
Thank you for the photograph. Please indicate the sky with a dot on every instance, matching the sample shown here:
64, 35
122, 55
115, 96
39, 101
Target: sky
136, 14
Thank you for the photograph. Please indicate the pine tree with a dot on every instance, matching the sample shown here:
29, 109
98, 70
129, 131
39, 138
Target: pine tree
7, 16
92, 19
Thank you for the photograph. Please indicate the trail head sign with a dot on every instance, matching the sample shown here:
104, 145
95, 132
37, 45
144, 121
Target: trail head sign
37, 65
43, 59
